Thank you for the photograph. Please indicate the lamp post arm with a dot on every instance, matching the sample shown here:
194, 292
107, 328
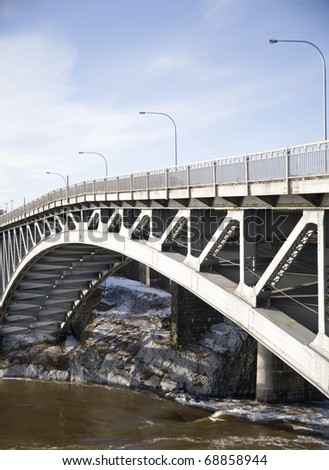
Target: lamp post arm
97, 153
274, 41
66, 180
175, 129
106, 167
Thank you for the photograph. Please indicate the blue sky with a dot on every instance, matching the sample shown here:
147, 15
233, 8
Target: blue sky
76, 73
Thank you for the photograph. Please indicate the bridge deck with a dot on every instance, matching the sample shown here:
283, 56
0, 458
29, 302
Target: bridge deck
290, 176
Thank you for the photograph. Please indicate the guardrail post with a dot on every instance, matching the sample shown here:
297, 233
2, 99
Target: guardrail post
246, 169
188, 181
117, 186
131, 186
167, 182
148, 184
288, 169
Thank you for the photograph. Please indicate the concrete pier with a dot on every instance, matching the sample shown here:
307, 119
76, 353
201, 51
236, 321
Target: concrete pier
190, 316
279, 383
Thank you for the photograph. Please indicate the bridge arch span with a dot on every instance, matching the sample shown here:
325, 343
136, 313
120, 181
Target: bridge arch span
51, 283
77, 261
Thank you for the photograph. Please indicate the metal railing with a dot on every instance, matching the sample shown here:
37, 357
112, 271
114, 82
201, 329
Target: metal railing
300, 161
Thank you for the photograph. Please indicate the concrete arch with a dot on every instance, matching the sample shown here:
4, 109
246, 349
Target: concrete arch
51, 283
287, 339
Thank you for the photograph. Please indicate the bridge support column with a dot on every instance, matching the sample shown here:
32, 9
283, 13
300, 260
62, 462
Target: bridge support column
251, 233
199, 231
1, 277
278, 383
323, 273
190, 316
152, 278
142, 273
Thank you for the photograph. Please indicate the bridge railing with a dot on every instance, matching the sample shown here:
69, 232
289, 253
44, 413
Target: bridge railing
309, 161
300, 161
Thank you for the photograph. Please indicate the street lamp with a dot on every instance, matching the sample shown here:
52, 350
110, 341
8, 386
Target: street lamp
66, 181
96, 153
274, 41
175, 130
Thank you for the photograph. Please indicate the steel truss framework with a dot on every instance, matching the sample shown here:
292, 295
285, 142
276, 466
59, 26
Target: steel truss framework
266, 270
268, 266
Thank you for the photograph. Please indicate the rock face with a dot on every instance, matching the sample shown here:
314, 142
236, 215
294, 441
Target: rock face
123, 338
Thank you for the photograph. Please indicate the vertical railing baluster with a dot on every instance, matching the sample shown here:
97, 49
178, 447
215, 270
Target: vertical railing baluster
167, 182
147, 178
287, 169
246, 169
214, 176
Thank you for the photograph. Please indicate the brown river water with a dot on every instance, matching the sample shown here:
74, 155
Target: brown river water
52, 415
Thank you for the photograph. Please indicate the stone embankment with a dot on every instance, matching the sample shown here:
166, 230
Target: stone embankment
123, 338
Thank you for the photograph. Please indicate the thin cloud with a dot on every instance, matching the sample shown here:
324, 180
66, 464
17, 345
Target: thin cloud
185, 65
166, 63
224, 12
35, 67
219, 12
42, 124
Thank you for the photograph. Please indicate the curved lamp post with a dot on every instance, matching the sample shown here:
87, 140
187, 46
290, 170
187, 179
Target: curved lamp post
175, 130
274, 41
97, 153
66, 181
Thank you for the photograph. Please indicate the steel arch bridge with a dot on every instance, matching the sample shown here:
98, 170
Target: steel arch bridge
249, 235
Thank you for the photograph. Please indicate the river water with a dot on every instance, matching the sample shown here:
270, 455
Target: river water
53, 415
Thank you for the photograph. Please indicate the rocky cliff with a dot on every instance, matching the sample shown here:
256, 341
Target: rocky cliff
122, 337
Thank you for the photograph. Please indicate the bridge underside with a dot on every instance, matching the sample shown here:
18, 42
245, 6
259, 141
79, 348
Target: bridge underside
262, 262
54, 284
